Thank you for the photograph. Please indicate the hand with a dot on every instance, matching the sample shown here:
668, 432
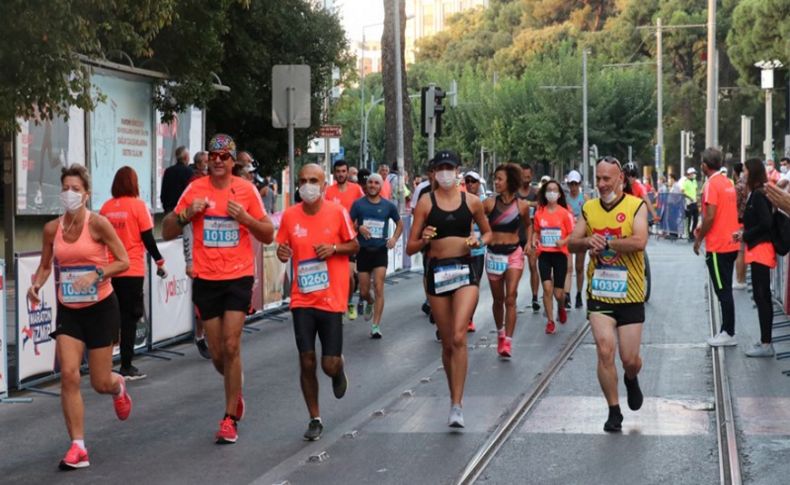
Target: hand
197, 206
737, 236
428, 233
86, 281
162, 272
190, 271
473, 241
697, 244
236, 211
656, 218
391, 242
596, 242
32, 295
364, 231
284, 252
562, 242
324, 251
530, 249
696, 233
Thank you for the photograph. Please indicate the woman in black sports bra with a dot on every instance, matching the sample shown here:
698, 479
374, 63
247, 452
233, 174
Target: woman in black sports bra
505, 255
443, 224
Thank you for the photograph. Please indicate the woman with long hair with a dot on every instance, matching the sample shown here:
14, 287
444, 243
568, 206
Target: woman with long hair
88, 315
504, 256
443, 225
131, 220
552, 227
759, 253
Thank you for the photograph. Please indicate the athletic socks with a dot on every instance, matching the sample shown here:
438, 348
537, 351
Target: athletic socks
234, 418
500, 332
635, 396
80, 443
615, 420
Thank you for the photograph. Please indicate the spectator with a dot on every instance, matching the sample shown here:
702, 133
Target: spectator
268, 195
690, 191
386, 188
200, 164
353, 174
740, 197
784, 168
175, 179
771, 172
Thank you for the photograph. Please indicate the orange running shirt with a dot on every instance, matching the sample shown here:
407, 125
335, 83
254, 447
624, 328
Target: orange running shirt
549, 227
720, 192
347, 198
322, 285
764, 253
129, 217
386, 190
222, 246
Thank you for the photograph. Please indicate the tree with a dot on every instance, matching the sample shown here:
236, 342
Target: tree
388, 72
760, 31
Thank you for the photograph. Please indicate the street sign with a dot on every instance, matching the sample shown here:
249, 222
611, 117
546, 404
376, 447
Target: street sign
330, 131
293, 79
316, 145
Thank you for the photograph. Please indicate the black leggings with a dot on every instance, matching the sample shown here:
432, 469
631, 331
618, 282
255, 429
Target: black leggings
130, 300
720, 266
761, 286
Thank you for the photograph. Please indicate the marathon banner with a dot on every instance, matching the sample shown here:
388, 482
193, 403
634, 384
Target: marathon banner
185, 129
395, 255
171, 298
43, 148
3, 342
121, 134
275, 284
35, 349
258, 282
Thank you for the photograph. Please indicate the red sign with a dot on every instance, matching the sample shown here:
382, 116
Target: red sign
330, 131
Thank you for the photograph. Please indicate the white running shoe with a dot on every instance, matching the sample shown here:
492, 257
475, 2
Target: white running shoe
456, 419
722, 339
761, 350
738, 286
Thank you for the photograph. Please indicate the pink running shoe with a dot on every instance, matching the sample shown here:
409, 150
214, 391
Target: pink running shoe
75, 458
122, 402
563, 314
506, 348
500, 343
240, 407
227, 433
550, 327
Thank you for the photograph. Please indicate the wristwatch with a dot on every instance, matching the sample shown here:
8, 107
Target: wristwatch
334, 248
606, 246
100, 272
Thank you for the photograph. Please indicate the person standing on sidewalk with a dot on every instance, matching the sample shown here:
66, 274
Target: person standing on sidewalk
719, 223
576, 199
760, 254
225, 213
614, 230
689, 187
317, 236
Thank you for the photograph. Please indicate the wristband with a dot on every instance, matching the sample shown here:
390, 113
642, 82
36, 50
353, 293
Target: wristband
334, 247
160, 263
182, 218
100, 272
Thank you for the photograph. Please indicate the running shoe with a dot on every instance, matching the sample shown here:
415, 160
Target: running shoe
122, 402
75, 458
579, 303
240, 405
567, 301
507, 348
202, 347
340, 384
227, 433
563, 314
351, 314
438, 336
375, 332
132, 373
550, 327
456, 418
360, 306
314, 430
426, 308
431, 319
738, 286
369, 311
614, 423
761, 350
635, 397
471, 327
500, 342
722, 339
535, 305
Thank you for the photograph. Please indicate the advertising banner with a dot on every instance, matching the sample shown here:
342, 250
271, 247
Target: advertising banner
35, 349
121, 134
3, 343
275, 291
185, 129
43, 148
171, 298
257, 286
395, 255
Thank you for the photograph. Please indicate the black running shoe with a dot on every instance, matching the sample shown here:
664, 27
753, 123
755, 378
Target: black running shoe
132, 373
340, 384
202, 347
567, 302
614, 424
635, 397
535, 306
314, 430
431, 319
426, 308
579, 303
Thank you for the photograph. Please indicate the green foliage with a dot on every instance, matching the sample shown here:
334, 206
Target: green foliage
760, 31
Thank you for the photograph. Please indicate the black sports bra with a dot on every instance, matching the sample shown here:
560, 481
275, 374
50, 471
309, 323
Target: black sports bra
456, 223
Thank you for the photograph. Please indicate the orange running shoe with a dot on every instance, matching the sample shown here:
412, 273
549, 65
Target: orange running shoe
75, 458
227, 433
122, 402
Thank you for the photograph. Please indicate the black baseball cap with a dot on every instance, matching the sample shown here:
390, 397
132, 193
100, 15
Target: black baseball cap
446, 157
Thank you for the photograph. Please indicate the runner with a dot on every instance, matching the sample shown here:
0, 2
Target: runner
638, 189
345, 192
371, 216
528, 193
472, 180
614, 231
576, 200
719, 223
452, 283
505, 255
317, 236
131, 220
87, 308
224, 211
553, 225
186, 233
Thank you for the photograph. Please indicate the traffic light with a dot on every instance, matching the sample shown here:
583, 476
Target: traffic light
426, 108
438, 108
689, 144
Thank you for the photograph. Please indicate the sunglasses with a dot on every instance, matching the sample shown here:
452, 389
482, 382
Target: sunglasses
611, 160
471, 181
224, 156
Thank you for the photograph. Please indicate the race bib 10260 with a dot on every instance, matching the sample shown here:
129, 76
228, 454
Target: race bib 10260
312, 275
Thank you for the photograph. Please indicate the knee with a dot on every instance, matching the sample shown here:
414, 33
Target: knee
105, 384
330, 365
231, 347
631, 362
307, 362
606, 353
458, 342
510, 300
70, 379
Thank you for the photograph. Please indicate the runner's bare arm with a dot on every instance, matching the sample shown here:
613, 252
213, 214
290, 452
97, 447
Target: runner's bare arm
482, 222
398, 231
578, 241
637, 241
420, 236
102, 227
45, 266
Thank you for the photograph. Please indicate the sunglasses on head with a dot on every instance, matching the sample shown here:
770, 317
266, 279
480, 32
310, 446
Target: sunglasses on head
224, 156
611, 160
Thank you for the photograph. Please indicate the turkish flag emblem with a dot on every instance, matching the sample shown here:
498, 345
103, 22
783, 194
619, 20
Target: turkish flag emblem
620, 217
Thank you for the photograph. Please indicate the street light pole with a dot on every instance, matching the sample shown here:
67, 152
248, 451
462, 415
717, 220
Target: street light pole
659, 98
399, 106
585, 141
767, 83
711, 137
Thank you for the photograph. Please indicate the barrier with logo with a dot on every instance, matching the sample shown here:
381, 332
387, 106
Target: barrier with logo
170, 298
781, 282
672, 211
3, 344
35, 350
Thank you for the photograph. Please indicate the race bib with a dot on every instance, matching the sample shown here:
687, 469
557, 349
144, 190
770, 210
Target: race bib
610, 282
450, 277
549, 236
312, 275
70, 274
496, 264
220, 232
375, 227
531, 212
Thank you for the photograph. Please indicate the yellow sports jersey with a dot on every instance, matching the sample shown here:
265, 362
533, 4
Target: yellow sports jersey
613, 277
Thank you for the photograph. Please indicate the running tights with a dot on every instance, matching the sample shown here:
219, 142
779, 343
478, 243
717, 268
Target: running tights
720, 266
761, 286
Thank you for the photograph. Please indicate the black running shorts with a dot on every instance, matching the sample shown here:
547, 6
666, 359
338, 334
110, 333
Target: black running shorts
370, 259
309, 322
623, 313
96, 325
214, 297
554, 267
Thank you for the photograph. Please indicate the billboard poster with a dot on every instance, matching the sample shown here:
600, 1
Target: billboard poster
121, 134
171, 298
3, 343
186, 128
43, 148
35, 348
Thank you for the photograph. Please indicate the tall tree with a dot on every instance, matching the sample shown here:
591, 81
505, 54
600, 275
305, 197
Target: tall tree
388, 71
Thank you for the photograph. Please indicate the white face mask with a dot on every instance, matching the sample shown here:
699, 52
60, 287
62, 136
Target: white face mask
609, 197
310, 192
552, 196
71, 201
783, 168
445, 178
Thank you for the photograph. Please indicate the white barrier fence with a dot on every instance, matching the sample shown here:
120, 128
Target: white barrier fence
171, 312
3, 344
35, 350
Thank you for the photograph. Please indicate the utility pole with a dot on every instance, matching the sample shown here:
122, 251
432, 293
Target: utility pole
659, 162
746, 135
711, 137
399, 108
585, 141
